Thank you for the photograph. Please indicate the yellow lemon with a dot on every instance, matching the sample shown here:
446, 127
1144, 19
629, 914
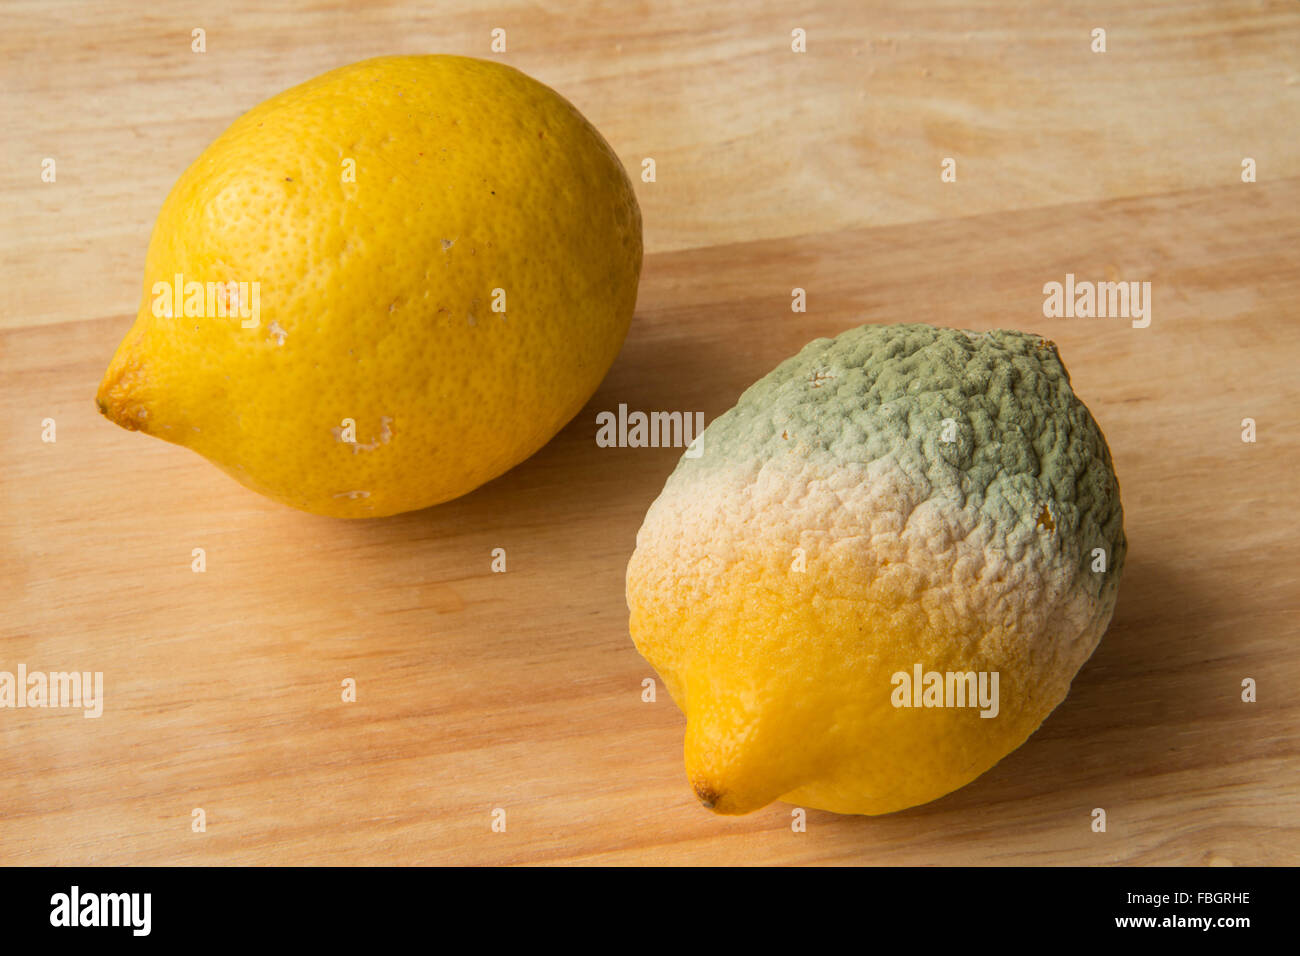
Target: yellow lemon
882, 571
384, 287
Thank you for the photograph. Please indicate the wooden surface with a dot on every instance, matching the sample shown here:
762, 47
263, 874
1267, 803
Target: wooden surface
522, 690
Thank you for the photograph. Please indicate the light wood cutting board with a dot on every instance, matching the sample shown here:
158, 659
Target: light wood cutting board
522, 690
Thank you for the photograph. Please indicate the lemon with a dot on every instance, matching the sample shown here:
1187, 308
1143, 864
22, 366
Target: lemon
384, 287
881, 512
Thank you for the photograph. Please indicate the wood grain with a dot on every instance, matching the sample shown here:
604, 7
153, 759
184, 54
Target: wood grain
522, 690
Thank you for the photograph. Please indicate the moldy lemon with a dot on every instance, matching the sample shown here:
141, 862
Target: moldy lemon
384, 287
899, 500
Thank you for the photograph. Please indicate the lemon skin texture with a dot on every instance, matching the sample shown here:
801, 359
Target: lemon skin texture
384, 209
829, 537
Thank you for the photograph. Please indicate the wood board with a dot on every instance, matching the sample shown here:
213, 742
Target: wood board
522, 690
